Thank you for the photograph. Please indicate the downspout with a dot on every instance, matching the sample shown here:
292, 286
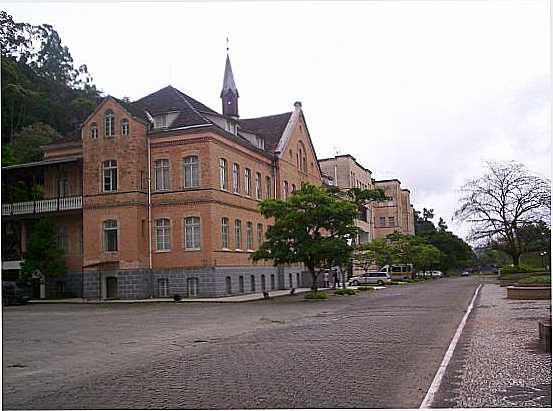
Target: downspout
149, 208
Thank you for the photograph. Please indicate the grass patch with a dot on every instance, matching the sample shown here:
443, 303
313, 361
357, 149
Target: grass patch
518, 270
319, 295
536, 279
344, 291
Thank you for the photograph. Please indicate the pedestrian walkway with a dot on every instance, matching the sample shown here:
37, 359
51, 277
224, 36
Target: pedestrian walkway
231, 299
499, 363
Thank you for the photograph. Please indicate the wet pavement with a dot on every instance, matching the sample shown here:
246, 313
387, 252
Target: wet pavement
498, 361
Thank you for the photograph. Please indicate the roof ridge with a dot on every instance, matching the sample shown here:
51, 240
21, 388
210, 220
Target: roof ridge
182, 96
270, 115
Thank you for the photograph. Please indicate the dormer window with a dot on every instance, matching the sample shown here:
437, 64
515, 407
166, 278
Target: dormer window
161, 121
260, 143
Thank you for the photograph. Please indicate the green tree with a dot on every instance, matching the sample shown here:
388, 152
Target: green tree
27, 143
425, 256
312, 227
43, 254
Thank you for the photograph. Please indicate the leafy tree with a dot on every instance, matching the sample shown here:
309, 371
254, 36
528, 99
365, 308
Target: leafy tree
425, 256
501, 202
312, 227
43, 254
39, 80
27, 143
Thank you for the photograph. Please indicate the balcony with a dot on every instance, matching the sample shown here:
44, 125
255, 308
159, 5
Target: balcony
43, 206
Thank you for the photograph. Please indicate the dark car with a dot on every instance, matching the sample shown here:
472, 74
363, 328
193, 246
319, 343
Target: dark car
14, 293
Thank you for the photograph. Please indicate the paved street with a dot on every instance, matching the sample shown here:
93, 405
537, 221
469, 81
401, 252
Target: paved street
374, 350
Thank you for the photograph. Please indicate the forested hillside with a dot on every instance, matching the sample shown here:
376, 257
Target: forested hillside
45, 96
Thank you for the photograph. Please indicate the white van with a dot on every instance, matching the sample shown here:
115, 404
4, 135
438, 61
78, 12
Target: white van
377, 277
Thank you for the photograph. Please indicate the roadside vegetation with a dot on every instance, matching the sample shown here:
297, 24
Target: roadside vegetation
537, 279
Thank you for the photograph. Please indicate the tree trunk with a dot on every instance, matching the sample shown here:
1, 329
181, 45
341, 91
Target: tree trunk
314, 276
516, 259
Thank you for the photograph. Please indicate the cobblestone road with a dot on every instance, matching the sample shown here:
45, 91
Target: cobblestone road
373, 350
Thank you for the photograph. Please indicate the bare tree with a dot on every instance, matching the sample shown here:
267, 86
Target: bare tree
498, 204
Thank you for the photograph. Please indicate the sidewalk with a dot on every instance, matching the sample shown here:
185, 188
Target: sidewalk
231, 299
499, 362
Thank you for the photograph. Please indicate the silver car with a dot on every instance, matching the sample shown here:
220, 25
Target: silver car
378, 278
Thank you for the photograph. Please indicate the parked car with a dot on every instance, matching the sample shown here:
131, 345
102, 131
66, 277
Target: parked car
12, 293
378, 278
465, 274
436, 274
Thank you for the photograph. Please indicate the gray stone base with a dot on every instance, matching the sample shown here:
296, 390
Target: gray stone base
191, 282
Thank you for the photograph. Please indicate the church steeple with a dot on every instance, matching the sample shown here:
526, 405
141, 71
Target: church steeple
229, 93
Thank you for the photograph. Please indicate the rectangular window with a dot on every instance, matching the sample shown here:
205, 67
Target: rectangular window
63, 187
110, 175
285, 190
191, 172
259, 234
63, 238
238, 234
249, 235
162, 174
258, 186
382, 221
391, 221
163, 234
192, 233
110, 235
223, 173
224, 232
235, 178
248, 181
268, 187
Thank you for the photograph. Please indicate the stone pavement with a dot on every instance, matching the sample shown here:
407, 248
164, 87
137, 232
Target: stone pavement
498, 362
231, 299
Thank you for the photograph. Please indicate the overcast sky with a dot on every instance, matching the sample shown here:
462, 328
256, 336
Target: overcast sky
420, 91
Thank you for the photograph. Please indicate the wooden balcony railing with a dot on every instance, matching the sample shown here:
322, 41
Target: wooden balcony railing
43, 206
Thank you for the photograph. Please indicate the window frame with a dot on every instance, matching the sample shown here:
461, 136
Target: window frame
125, 127
193, 167
249, 236
225, 233
223, 174
105, 231
258, 188
248, 182
166, 229
109, 167
236, 178
109, 117
238, 234
163, 169
196, 233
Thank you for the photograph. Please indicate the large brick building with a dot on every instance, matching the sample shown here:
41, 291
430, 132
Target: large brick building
160, 196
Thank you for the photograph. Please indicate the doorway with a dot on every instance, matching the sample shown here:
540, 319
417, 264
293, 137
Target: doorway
111, 287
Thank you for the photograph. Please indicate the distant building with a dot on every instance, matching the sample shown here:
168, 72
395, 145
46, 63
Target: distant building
395, 214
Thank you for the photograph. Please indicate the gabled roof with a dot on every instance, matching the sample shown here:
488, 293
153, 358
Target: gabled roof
268, 127
170, 99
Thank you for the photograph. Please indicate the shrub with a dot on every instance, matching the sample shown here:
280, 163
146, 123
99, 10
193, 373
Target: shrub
536, 279
518, 269
364, 288
345, 291
319, 295
177, 297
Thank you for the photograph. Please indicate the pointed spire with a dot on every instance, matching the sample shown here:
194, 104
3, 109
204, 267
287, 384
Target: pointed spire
228, 81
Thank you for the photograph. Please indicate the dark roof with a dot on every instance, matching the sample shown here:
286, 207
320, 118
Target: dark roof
387, 181
43, 163
269, 127
171, 99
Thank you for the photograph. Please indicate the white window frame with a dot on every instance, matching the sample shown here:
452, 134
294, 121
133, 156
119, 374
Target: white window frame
248, 182
259, 234
249, 236
223, 180
192, 233
258, 192
125, 127
238, 234
225, 233
163, 234
235, 178
109, 124
191, 171
162, 174
94, 131
109, 176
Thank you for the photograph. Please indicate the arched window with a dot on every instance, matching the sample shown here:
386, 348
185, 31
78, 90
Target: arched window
238, 234
268, 190
110, 235
192, 233
109, 124
163, 234
252, 283
94, 131
235, 178
228, 283
224, 232
249, 235
110, 175
190, 170
125, 127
